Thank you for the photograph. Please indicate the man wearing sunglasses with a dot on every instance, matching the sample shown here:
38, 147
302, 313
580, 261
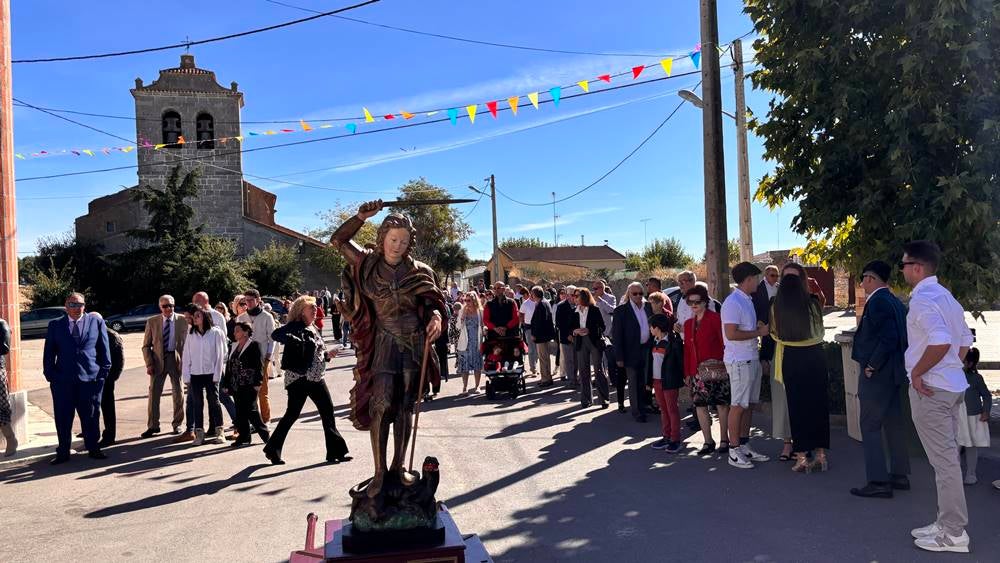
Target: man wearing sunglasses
76, 362
162, 348
937, 340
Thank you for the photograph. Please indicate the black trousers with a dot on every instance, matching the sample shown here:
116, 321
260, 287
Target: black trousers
882, 415
806, 383
248, 415
108, 411
298, 392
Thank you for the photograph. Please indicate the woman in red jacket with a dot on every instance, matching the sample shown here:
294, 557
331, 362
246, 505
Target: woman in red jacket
703, 341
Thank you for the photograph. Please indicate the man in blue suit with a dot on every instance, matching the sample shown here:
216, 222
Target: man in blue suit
76, 363
879, 344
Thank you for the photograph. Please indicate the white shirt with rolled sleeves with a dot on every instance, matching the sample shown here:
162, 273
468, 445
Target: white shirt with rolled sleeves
738, 310
528, 310
935, 318
204, 354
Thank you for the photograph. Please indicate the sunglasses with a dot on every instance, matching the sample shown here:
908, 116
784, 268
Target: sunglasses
903, 265
166, 306
636, 294
75, 305
694, 302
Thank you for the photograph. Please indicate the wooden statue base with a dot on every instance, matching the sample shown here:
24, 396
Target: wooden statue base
454, 549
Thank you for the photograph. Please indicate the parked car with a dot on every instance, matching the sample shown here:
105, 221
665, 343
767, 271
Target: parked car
134, 319
276, 305
36, 321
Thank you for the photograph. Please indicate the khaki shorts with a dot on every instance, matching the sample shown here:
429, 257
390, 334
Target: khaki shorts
744, 381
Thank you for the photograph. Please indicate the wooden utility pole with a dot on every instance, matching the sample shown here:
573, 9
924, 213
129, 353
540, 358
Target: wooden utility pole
10, 292
742, 160
496, 244
716, 241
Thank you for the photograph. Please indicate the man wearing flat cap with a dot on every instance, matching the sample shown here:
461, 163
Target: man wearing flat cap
879, 344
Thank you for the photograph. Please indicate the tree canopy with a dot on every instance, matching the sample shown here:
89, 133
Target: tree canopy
436, 225
523, 242
660, 253
885, 129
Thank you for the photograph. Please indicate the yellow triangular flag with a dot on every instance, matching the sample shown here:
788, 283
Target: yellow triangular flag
406, 115
668, 65
368, 116
472, 112
88, 152
534, 99
512, 102
270, 132
128, 149
584, 85
240, 139
305, 126
158, 146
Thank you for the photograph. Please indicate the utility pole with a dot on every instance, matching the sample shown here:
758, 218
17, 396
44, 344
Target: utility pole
742, 161
645, 233
496, 244
555, 237
716, 242
10, 294
581, 241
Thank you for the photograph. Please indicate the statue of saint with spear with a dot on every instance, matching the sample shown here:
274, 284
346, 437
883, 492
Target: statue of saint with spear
395, 308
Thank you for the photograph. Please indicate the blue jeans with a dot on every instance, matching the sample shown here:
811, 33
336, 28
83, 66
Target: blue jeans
532, 349
202, 388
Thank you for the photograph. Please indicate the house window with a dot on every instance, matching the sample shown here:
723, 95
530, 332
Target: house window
206, 131
172, 129
110, 226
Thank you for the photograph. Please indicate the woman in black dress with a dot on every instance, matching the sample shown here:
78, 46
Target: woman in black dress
800, 363
304, 363
244, 376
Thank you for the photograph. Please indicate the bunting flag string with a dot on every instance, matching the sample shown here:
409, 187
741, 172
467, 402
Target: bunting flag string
513, 102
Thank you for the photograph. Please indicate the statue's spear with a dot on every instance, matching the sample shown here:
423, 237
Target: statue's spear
414, 202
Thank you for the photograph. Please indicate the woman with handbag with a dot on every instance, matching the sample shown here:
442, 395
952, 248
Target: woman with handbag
244, 376
800, 364
304, 362
704, 368
470, 338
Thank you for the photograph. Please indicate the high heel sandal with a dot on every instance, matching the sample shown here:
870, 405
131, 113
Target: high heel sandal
803, 464
821, 463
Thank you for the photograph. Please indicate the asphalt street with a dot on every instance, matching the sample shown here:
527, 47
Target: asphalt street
538, 478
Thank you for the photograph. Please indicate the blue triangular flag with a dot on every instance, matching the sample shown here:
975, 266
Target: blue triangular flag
252, 133
453, 116
556, 94
352, 128
696, 58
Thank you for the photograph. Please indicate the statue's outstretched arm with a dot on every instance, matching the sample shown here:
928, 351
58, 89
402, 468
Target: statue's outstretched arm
341, 239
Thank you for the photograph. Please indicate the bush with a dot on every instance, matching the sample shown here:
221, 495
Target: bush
274, 269
52, 285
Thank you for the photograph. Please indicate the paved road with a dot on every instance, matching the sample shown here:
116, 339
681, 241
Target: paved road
538, 478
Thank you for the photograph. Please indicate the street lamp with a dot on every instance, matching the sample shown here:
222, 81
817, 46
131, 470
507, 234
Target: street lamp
496, 247
742, 161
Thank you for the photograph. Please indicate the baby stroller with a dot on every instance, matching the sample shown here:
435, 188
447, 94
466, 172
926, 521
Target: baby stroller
504, 365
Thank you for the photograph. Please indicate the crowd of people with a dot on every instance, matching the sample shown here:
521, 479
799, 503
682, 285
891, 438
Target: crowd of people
649, 346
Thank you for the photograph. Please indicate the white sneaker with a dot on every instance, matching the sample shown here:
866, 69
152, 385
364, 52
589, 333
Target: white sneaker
218, 438
944, 542
928, 530
199, 437
970, 480
996, 484
738, 459
752, 455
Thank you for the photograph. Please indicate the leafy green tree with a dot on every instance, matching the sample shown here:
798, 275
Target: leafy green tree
436, 224
27, 269
733, 246
666, 253
328, 259
451, 258
274, 269
82, 260
169, 215
884, 129
523, 242
52, 285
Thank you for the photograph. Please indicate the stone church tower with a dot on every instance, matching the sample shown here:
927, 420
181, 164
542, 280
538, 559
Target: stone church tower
186, 110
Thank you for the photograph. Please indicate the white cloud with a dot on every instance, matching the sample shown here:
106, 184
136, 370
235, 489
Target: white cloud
565, 219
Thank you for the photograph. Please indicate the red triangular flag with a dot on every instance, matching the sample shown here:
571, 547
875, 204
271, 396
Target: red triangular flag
637, 70
492, 106
390, 116
605, 77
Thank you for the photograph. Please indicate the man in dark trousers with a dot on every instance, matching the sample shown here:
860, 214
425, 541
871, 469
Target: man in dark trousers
630, 333
879, 344
76, 361
564, 318
116, 348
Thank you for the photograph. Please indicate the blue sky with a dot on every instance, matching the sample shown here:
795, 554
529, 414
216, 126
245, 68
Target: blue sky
331, 68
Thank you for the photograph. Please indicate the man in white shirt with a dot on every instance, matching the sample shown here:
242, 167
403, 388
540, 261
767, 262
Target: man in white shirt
740, 331
526, 311
938, 340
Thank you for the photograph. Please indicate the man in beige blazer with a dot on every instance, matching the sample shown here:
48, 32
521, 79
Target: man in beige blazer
162, 347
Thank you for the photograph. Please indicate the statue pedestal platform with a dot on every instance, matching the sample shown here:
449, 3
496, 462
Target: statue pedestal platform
454, 549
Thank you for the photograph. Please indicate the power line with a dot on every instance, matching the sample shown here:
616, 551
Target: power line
341, 136
466, 39
188, 44
606, 174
